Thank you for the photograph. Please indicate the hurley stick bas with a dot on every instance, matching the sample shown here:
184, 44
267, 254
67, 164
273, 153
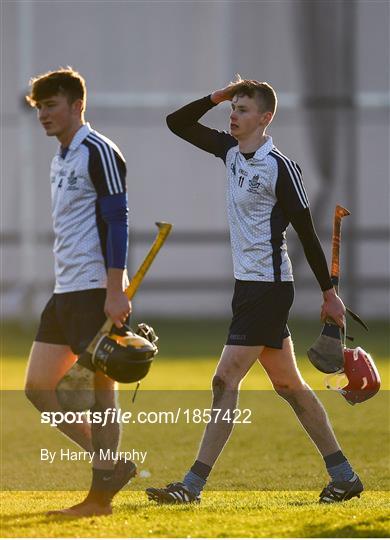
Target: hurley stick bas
326, 353
76, 391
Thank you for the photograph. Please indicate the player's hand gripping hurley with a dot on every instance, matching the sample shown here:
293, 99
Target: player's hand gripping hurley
358, 367
327, 352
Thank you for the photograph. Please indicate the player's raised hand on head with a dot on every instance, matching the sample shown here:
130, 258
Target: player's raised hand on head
333, 308
224, 94
227, 93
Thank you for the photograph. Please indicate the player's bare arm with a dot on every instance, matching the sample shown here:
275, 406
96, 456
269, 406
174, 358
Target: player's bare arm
117, 306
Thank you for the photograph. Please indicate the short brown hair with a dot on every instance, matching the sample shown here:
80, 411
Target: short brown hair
263, 92
64, 81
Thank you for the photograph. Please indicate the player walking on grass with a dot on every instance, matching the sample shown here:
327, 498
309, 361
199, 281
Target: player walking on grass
265, 193
90, 221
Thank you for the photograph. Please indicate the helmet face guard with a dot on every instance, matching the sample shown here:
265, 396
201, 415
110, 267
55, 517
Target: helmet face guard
363, 379
125, 359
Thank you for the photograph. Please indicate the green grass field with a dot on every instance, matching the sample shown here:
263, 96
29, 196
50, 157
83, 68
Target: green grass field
265, 484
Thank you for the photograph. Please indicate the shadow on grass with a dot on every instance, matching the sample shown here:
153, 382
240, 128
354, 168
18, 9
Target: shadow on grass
31, 519
23, 520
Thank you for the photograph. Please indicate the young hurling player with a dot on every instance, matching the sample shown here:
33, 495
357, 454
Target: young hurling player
90, 222
265, 193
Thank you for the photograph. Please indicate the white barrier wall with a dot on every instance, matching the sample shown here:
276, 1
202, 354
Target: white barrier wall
142, 60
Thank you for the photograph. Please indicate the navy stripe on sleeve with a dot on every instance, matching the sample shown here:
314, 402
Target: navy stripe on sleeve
107, 167
115, 213
294, 177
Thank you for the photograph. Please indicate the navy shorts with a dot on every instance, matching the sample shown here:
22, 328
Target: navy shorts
72, 319
260, 313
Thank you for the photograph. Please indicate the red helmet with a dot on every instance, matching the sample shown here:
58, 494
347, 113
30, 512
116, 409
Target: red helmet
363, 377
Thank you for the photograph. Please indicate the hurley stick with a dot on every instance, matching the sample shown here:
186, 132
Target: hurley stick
339, 214
326, 353
163, 231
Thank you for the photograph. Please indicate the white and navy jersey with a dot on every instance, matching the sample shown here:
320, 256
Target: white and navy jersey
260, 192
90, 169
265, 192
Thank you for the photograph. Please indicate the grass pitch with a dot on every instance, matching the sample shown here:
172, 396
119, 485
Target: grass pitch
221, 515
244, 496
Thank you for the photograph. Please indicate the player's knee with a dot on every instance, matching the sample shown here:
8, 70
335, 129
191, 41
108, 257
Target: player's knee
36, 396
222, 383
29, 393
43, 399
219, 387
229, 374
291, 392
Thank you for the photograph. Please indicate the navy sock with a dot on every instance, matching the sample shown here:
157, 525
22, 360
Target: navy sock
201, 469
338, 467
196, 477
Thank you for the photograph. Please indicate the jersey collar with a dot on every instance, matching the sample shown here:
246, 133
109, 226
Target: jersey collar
78, 137
264, 149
